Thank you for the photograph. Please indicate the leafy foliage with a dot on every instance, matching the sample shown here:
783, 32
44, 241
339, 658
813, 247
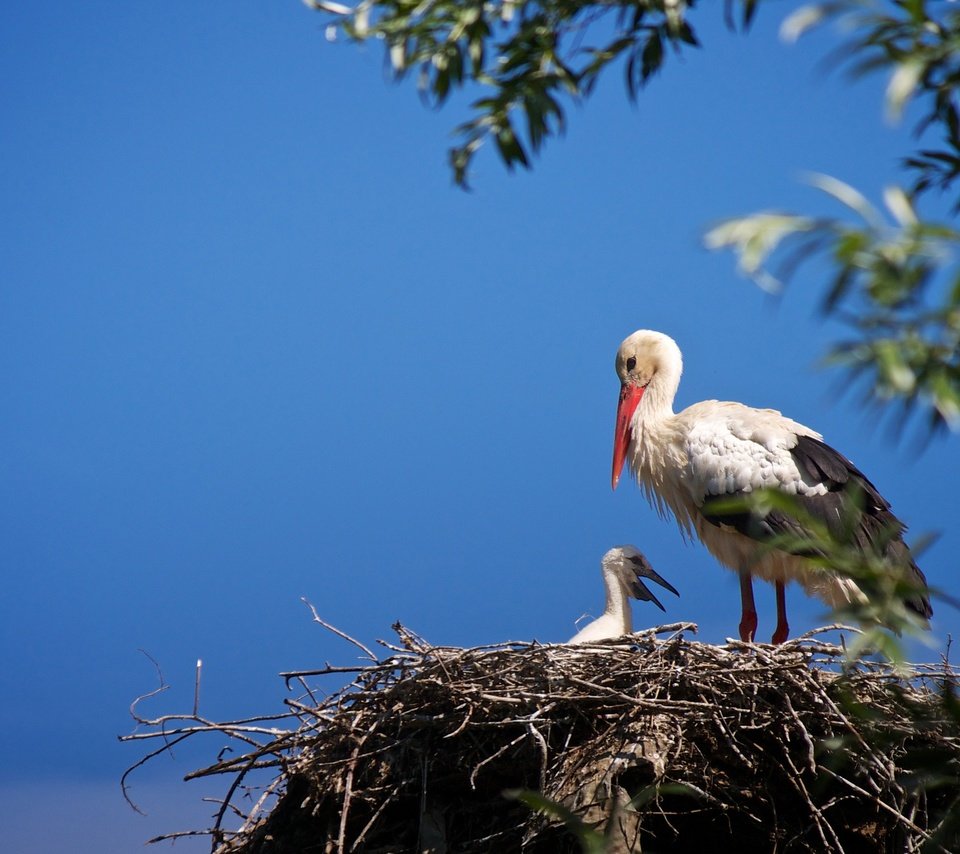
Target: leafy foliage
883, 575
895, 283
590, 839
917, 42
529, 55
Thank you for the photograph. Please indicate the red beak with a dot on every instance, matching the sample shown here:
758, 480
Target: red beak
629, 398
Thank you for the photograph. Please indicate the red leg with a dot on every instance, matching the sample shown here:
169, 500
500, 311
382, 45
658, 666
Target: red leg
748, 611
780, 635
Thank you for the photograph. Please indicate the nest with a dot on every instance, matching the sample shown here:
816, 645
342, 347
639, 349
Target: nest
657, 743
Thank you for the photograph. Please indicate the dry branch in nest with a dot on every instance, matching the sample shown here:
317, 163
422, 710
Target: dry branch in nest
659, 742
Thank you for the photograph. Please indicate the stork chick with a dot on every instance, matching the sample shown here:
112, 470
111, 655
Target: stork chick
622, 568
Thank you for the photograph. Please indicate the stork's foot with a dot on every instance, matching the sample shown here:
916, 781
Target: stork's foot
781, 633
748, 626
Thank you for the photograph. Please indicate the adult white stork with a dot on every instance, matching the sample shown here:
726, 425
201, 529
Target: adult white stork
719, 449
623, 568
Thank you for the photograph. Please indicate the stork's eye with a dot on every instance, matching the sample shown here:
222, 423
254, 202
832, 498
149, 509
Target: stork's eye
631, 363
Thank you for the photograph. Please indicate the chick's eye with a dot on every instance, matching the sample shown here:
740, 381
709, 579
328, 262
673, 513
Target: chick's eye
631, 363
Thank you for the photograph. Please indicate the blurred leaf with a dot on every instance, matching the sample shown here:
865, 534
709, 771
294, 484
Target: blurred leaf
754, 239
801, 21
903, 83
652, 57
846, 195
591, 841
899, 206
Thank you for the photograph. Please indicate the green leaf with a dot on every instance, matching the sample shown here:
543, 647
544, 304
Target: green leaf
652, 56
591, 841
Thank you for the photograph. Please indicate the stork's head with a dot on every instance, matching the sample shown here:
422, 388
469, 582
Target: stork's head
645, 360
627, 565
626, 561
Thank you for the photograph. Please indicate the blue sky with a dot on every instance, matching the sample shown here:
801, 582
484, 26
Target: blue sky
256, 347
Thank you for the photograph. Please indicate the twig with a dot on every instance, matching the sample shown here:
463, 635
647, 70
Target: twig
318, 619
373, 819
196, 689
500, 752
347, 795
158, 690
141, 762
882, 804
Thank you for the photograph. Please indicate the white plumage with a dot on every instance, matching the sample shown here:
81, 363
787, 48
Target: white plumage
622, 568
719, 449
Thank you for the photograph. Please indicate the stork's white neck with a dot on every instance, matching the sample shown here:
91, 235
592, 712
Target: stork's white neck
617, 606
649, 429
656, 450
657, 402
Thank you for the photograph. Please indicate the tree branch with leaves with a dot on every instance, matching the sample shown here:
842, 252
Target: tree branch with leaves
529, 57
895, 283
